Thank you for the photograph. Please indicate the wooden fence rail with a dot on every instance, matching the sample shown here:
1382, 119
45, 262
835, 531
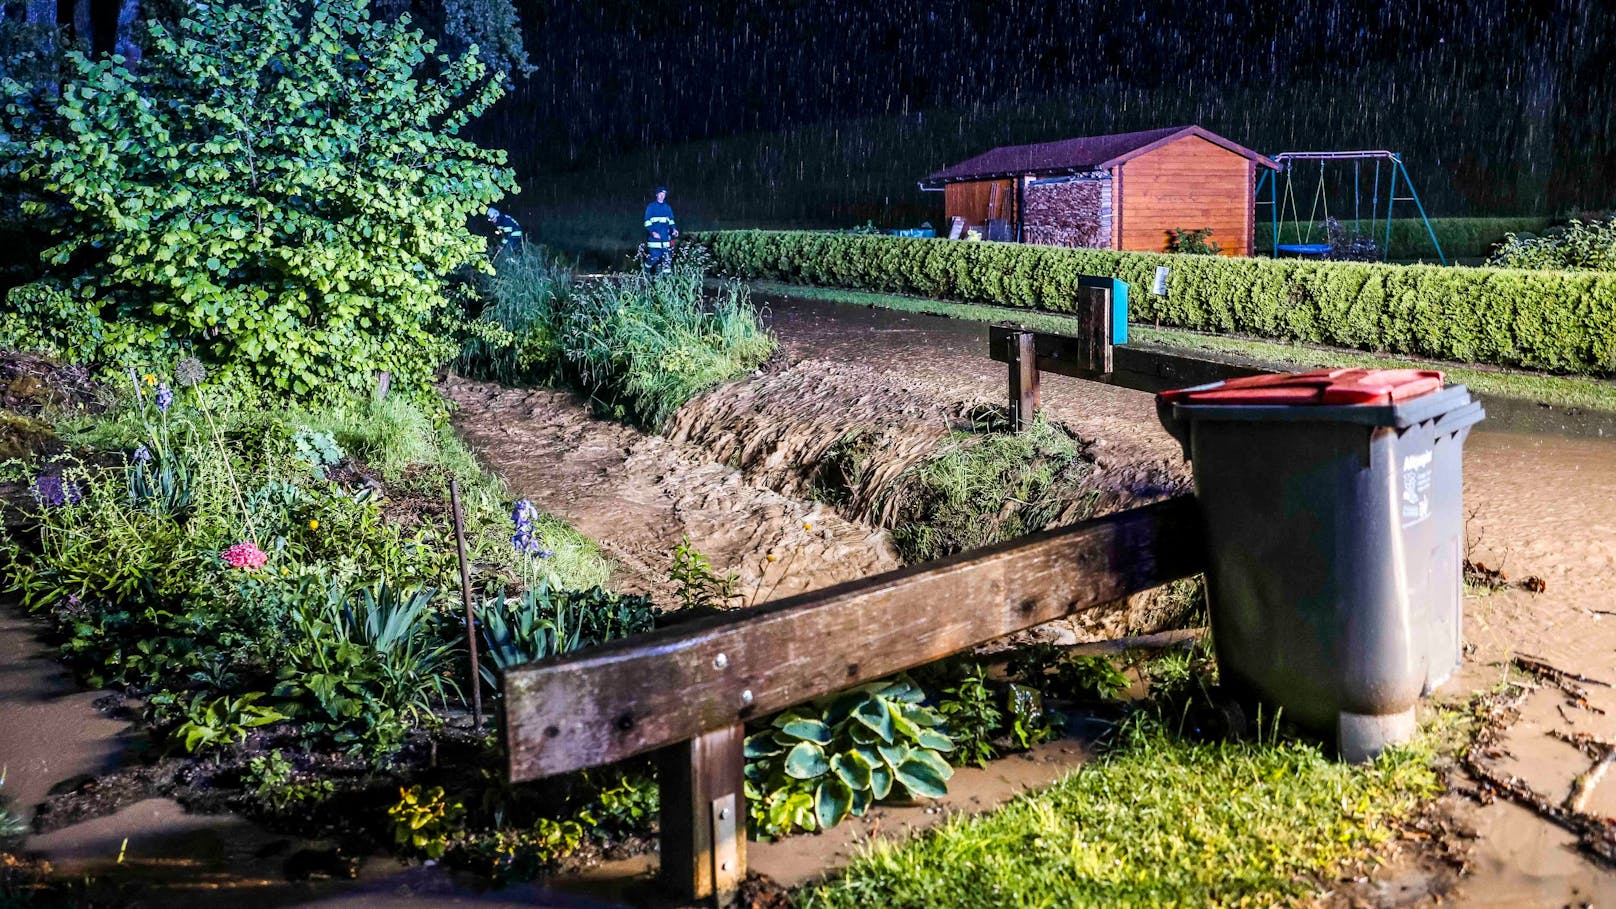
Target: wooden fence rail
688, 690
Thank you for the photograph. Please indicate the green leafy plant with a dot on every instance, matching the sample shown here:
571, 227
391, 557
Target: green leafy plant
545, 621
817, 765
699, 586
1582, 245
1059, 672
272, 780
281, 186
364, 668
318, 450
971, 714
520, 854
1197, 242
425, 820
221, 721
627, 803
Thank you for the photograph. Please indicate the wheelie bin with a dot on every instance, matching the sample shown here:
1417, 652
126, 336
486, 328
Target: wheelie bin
1331, 503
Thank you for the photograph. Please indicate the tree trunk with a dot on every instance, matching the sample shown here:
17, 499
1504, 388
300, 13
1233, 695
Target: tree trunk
125, 43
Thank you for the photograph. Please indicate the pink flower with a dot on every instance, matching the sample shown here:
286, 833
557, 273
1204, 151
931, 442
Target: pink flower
245, 555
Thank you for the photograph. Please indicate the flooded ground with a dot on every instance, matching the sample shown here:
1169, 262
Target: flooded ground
1540, 494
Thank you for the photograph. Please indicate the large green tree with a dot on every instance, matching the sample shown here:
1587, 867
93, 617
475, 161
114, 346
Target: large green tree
280, 187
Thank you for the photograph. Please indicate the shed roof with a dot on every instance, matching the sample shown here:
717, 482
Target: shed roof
1084, 153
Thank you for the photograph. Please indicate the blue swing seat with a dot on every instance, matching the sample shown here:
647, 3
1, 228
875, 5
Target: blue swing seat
1305, 249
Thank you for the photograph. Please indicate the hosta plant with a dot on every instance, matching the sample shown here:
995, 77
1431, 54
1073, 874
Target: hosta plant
818, 764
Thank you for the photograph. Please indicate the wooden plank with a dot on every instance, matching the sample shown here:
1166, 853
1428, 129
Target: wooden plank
1153, 371
703, 838
618, 700
1024, 391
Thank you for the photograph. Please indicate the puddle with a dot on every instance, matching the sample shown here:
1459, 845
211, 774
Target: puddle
49, 729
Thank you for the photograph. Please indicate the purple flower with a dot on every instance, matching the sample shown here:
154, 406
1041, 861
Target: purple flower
142, 455
524, 540
54, 492
165, 397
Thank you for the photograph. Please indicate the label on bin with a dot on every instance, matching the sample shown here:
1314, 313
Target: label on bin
1416, 498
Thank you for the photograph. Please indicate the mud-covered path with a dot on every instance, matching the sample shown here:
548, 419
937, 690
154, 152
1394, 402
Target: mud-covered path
638, 495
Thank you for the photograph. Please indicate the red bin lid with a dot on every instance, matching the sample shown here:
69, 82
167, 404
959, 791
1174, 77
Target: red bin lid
1321, 386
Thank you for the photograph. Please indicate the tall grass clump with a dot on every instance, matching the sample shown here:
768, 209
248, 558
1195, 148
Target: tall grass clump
638, 345
644, 346
514, 337
985, 487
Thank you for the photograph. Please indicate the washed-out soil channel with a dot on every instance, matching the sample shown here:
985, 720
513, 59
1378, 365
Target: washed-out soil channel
730, 476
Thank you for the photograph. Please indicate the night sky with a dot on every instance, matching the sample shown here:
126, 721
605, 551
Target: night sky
1499, 106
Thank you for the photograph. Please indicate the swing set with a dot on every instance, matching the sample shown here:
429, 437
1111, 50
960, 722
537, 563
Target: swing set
1281, 201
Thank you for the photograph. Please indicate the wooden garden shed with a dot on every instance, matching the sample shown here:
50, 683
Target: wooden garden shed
1122, 191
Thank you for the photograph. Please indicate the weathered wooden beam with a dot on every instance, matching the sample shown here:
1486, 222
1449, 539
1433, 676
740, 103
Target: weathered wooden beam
703, 814
1155, 370
1094, 330
1024, 391
621, 699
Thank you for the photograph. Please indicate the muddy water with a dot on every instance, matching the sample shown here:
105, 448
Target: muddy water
49, 730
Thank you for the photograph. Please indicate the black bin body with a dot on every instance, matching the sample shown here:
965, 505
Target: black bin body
1335, 536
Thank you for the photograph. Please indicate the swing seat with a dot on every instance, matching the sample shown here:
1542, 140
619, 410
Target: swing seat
1305, 249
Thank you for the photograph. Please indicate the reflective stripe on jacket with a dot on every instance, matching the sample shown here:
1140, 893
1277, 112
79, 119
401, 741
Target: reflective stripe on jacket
659, 222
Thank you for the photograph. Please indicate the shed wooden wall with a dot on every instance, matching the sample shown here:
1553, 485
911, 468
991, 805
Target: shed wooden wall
1187, 184
972, 201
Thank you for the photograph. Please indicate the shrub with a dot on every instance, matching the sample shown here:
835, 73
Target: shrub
280, 186
1579, 245
1553, 320
1192, 242
638, 345
542, 623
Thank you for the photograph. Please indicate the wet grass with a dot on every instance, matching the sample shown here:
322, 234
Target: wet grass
1169, 816
989, 486
638, 347
1560, 391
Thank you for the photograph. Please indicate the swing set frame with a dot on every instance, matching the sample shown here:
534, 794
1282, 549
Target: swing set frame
1287, 162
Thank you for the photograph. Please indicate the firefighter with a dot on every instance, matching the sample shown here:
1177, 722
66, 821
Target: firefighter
506, 228
660, 231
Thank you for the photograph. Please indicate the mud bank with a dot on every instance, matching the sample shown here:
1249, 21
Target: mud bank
638, 495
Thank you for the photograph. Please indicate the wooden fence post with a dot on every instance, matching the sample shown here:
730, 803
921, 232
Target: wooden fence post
704, 815
1024, 392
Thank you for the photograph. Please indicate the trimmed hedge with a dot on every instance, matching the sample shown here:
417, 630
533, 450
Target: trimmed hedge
1560, 321
1461, 238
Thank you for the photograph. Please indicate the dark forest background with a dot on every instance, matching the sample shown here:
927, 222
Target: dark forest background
826, 113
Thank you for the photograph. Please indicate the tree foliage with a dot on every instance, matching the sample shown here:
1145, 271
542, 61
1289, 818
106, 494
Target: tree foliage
281, 187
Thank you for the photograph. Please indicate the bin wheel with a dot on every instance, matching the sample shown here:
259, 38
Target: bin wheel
1231, 712
1362, 737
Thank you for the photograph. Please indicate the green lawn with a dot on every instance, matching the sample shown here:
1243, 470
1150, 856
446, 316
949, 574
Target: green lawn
1160, 820
1588, 394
